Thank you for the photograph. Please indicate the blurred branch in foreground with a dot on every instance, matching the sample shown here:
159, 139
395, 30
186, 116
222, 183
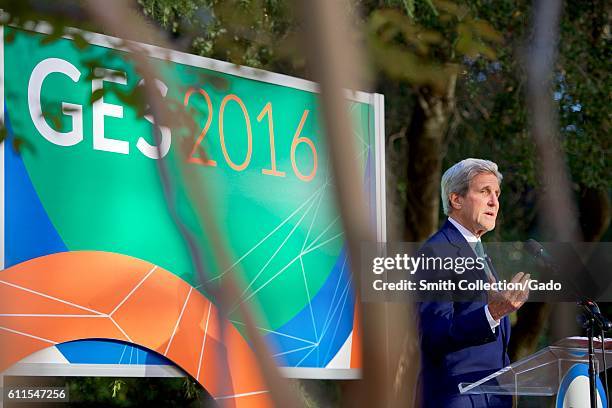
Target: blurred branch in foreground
333, 57
558, 215
118, 19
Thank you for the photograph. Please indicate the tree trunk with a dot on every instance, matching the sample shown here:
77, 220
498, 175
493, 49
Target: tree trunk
594, 205
426, 147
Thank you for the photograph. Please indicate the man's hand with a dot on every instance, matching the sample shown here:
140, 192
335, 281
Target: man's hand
505, 302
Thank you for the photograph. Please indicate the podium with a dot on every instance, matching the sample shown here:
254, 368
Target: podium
542, 373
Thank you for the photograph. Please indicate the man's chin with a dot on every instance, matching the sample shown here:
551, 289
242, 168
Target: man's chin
488, 226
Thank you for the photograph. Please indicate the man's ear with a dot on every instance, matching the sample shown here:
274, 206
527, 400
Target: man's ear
456, 201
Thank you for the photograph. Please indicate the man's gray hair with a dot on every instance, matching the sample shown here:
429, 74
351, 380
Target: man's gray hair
457, 178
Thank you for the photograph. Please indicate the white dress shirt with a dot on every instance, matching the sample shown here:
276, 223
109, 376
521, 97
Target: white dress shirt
472, 239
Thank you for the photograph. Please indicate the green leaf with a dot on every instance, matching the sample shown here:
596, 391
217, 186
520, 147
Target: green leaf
55, 35
97, 94
409, 6
467, 46
432, 7
485, 30
10, 37
79, 41
458, 11
486, 51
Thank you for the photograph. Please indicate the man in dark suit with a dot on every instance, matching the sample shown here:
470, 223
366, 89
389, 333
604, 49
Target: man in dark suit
464, 341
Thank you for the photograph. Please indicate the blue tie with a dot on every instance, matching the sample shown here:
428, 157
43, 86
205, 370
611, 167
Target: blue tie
479, 249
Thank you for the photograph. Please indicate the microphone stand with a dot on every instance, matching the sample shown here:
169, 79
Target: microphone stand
594, 318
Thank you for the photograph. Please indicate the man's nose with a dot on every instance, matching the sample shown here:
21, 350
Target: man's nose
493, 200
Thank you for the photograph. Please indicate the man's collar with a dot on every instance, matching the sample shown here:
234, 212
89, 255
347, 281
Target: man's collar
467, 234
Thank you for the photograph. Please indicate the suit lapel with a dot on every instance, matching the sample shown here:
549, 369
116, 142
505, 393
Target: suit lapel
463, 248
457, 240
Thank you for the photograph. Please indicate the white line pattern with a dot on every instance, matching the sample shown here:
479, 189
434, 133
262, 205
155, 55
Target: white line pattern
28, 335
204, 341
133, 290
178, 321
50, 297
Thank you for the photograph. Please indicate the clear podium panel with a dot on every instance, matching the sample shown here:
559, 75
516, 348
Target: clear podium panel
541, 373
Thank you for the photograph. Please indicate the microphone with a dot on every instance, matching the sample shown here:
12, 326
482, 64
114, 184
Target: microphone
592, 308
535, 249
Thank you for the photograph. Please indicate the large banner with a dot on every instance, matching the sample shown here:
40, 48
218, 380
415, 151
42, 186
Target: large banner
82, 188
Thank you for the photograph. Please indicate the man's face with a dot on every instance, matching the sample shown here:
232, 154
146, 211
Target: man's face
477, 210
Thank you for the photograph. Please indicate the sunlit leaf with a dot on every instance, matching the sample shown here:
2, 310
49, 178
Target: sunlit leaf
486, 51
485, 30
430, 36
409, 7
467, 46
459, 11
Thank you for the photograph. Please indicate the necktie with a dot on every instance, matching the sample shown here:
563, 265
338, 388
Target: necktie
479, 249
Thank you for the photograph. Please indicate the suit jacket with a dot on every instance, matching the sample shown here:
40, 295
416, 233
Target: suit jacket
457, 343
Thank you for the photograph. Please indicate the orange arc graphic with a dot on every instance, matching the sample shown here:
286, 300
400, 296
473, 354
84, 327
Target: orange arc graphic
88, 294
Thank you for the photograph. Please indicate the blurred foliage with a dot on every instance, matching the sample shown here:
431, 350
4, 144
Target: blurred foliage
137, 392
119, 392
490, 119
28, 14
416, 45
419, 47
427, 49
60, 20
256, 33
